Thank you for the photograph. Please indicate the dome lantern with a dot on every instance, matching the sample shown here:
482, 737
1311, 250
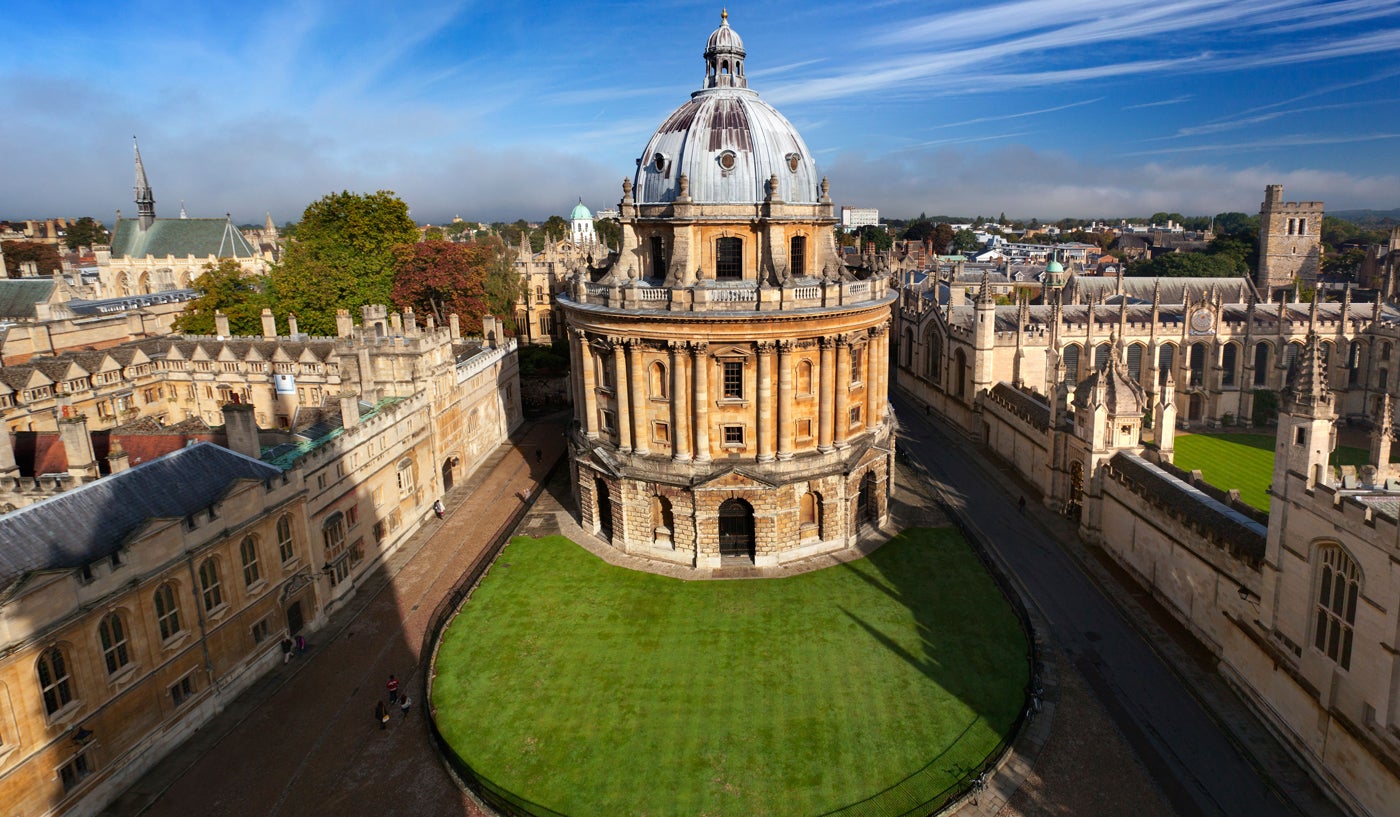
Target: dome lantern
724, 57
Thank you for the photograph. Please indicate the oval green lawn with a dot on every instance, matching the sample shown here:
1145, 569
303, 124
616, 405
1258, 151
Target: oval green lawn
597, 691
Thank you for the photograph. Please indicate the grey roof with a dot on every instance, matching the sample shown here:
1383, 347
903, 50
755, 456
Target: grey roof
1031, 408
92, 522
1242, 536
19, 295
200, 237
1173, 290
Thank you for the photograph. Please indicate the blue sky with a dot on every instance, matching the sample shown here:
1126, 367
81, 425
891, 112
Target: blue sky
1045, 108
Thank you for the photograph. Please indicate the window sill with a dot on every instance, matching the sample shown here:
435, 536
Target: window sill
661, 400
218, 612
69, 711
291, 564
174, 641
257, 587
730, 402
121, 676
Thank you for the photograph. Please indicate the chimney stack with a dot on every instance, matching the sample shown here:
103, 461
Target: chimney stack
8, 468
349, 409
221, 324
291, 325
117, 459
454, 326
269, 325
344, 326
77, 445
241, 429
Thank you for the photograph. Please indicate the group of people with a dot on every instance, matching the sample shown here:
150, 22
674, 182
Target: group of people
381, 712
288, 644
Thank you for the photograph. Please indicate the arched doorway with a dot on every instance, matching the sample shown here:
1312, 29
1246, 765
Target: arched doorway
605, 522
1196, 408
867, 509
447, 475
736, 539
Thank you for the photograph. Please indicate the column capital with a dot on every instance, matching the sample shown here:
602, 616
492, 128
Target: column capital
826, 342
581, 334
766, 347
699, 348
785, 346
677, 346
841, 340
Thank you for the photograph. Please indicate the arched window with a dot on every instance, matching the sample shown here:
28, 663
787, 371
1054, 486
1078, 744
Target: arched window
1101, 353
933, 356
167, 611
248, 553
1261, 363
285, 547
1229, 363
1290, 355
113, 637
804, 377
661, 519
1069, 360
907, 350
1198, 364
1354, 363
809, 515
1166, 362
1385, 351
729, 259
656, 377
960, 373
1136, 352
658, 257
1339, 586
54, 680
210, 588
406, 476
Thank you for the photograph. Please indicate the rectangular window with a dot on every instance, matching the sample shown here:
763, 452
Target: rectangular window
857, 369
182, 690
661, 432
733, 379
606, 420
261, 630
74, 771
352, 516
804, 428
797, 255
734, 435
855, 416
658, 257
729, 259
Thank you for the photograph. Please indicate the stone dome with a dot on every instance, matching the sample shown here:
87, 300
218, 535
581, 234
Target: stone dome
726, 141
580, 212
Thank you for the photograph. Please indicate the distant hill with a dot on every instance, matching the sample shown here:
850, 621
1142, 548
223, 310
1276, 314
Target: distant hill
1369, 219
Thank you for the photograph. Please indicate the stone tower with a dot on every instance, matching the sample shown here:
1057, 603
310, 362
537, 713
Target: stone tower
1290, 241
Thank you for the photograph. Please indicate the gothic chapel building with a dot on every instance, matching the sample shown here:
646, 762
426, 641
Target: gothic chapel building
730, 384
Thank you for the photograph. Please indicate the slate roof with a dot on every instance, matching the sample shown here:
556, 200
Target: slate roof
1244, 537
1173, 290
19, 295
93, 521
200, 237
1032, 409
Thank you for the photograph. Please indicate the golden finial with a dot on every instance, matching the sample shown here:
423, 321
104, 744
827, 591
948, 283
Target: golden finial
724, 15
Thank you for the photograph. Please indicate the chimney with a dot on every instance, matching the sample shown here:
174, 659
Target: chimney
77, 445
489, 330
8, 468
269, 325
241, 429
396, 323
454, 326
343, 324
410, 322
117, 460
349, 409
221, 324
291, 325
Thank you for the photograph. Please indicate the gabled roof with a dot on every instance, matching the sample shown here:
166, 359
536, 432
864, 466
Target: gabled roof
180, 237
19, 295
93, 521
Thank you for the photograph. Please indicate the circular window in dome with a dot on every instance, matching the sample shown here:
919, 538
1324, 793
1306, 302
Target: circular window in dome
659, 162
727, 159
793, 162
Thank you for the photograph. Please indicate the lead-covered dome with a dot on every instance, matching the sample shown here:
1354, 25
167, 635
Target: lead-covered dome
726, 141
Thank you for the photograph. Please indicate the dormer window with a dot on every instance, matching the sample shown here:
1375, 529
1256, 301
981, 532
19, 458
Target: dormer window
727, 160
794, 161
658, 162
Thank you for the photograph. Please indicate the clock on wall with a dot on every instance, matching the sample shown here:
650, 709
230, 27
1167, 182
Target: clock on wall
1201, 321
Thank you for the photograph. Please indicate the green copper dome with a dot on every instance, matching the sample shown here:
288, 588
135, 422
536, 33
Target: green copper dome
1054, 266
580, 212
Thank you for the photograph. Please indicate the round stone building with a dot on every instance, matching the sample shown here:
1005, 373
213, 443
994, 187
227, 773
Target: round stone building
729, 370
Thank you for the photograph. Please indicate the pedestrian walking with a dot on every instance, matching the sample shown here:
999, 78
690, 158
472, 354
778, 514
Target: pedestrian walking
381, 714
539, 455
301, 645
439, 508
405, 704
286, 650
393, 687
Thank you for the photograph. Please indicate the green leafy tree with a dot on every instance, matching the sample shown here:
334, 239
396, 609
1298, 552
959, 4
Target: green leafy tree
918, 230
342, 258
225, 288
1236, 224
609, 232
553, 229
877, 237
45, 257
964, 242
503, 287
433, 234
85, 232
1188, 265
1345, 263
442, 278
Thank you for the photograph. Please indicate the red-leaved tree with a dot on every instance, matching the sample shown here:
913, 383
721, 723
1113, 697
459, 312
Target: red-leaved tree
440, 278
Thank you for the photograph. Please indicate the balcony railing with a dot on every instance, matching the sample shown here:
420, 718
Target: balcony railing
728, 296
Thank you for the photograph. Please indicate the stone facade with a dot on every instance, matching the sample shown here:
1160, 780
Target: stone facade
730, 386
1290, 242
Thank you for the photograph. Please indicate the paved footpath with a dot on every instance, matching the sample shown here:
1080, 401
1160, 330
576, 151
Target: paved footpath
304, 740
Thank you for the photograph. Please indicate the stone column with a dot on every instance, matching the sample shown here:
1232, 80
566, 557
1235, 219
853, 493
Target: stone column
680, 429
590, 385
700, 414
842, 417
828, 394
624, 416
786, 432
764, 415
639, 389
877, 359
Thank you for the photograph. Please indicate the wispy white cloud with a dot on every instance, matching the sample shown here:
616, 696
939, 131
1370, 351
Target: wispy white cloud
1003, 117
1290, 140
1176, 100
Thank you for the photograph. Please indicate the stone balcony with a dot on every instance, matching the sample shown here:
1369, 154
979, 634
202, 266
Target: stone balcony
730, 296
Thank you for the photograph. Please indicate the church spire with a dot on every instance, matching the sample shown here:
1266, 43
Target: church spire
1307, 389
145, 199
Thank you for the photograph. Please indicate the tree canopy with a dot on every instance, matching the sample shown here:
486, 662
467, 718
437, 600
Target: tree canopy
85, 232
442, 278
342, 257
224, 287
1189, 265
45, 257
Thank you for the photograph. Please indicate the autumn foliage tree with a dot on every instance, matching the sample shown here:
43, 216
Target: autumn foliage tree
441, 278
45, 257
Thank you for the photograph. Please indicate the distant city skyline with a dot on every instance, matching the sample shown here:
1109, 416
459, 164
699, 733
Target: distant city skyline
1038, 108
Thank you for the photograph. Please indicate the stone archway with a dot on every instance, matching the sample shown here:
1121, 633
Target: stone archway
604, 500
736, 530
